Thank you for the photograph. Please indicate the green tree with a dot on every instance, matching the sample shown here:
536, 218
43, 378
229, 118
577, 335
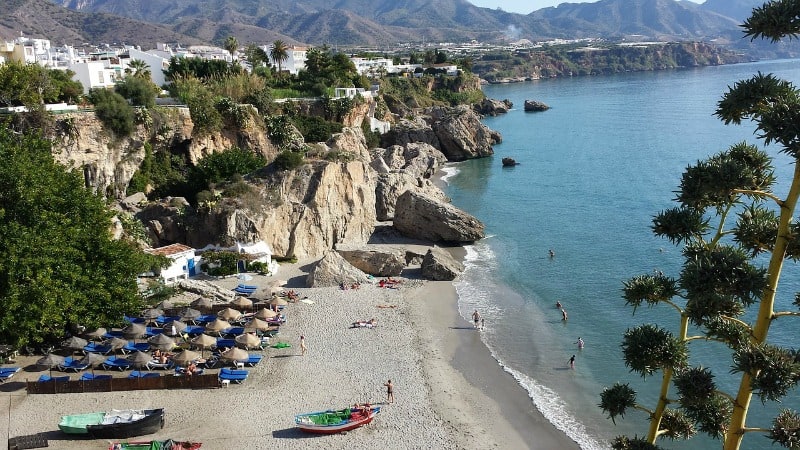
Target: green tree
231, 44
279, 53
720, 280
59, 265
140, 91
139, 69
113, 110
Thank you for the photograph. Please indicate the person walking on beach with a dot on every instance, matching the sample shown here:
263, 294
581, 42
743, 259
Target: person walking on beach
572, 362
476, 318
302, 345
389, 391
580, 343
563, 314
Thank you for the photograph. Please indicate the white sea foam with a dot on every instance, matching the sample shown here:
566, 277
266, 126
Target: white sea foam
448, 171
476, 289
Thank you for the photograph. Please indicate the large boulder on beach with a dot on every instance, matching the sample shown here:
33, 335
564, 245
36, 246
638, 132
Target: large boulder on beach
438, 265
332, 270
423, 217
390, 186
460, 133
208, 290
375, 262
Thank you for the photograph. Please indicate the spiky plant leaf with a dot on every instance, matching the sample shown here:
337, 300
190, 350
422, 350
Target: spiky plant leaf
680, 224
649, 289
786, 429
616, 400
648, 348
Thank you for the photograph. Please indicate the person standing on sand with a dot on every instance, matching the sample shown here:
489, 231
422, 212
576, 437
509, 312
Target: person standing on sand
389, 391
563, 314
302, 345
572, 362
476, 318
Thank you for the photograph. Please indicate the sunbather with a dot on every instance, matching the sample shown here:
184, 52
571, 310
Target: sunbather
365, 323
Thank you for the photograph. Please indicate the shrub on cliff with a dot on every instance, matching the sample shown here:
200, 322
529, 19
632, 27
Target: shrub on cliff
139, 91
113, 110
289, 160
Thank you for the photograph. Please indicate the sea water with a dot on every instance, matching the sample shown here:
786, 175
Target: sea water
593, 171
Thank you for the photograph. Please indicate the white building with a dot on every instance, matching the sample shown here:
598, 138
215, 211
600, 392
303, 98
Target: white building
158, 64
183, 262
295, 62
94, 74
255, 251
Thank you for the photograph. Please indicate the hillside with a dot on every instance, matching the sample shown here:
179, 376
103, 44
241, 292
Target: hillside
377, 22
64, 26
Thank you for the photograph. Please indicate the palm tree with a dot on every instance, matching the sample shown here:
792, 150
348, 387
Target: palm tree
231, 45
279, 53
139, 69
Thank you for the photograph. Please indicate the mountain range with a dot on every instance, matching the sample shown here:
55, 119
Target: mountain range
368, 23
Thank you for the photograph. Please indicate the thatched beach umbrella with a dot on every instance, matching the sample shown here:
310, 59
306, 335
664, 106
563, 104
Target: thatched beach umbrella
185, 358
165, 304
277, 301
229, 314
49, 361
202, 303
256, 325
266, 313
217, 326
150, 315
234, 354
74, 343
97, 334
242, 302
116, 343
139, 359
174, 328
190, 314
203, 342
93, 360
248, 340
134, 331
161, 342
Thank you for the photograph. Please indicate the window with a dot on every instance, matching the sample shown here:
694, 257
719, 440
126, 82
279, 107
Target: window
101, 77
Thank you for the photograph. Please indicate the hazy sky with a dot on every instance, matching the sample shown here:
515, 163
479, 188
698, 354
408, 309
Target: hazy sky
527, 6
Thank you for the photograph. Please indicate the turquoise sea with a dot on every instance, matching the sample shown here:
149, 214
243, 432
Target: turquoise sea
593, 171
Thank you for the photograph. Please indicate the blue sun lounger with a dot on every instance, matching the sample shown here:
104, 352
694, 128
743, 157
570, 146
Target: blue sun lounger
140, 374
116, 362
94, 347
72, 365
47, 378
253, 360
132, 347
7, 372
232, 375
93, 377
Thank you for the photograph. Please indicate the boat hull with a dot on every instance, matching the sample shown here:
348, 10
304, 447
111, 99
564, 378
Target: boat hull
305, 423
92, 425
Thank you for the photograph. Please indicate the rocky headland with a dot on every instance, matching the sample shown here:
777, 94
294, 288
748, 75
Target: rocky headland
325, 204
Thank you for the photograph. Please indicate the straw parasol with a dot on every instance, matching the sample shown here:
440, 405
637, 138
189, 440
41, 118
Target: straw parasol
266, 313
49, 361
203, 342
277, 301
256, 325
166, 304
248, 340
177, 325
161, 342
139, 359
217, 326
134, 331
74, 343
229, 314
116, 343
242, 302
235, 354
152, 314
97, 334
93, 360
190, 314
185, 358
202, 303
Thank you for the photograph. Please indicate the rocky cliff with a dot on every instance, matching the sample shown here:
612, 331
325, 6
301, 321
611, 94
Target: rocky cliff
108, 162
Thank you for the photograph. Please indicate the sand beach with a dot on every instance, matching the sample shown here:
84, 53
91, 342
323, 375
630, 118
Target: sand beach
449, 391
